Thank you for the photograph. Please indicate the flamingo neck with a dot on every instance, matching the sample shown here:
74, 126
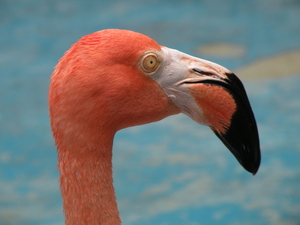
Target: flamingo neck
87, 184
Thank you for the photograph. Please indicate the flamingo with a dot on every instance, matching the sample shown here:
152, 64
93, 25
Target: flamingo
113, 79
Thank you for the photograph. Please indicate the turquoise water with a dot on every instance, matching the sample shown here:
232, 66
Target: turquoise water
173, 171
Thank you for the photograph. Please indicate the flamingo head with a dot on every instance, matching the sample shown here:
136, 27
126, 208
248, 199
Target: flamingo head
114, 79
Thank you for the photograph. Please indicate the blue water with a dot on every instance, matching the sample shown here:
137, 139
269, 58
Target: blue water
173, 171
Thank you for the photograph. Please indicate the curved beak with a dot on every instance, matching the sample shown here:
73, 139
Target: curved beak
213, 96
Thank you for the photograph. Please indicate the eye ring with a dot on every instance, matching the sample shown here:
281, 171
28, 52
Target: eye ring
150, 62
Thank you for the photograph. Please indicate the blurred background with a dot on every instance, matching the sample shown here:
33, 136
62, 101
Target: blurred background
174, 171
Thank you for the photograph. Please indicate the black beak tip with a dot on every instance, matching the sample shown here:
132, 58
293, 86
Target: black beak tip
242, 137
254, 171
251, 166
247, 155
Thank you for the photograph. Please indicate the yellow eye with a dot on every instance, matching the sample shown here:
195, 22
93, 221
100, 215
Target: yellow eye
150, 62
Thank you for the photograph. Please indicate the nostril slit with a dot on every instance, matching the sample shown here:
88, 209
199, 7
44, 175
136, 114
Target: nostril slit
201, 72
197, 71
